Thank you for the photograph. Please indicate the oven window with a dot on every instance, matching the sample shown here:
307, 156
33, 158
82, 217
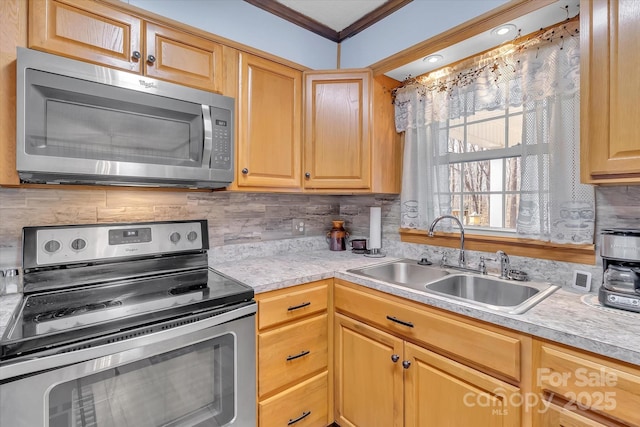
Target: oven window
191, 386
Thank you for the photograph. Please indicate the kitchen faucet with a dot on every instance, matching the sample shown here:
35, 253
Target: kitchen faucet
504, 264
461, 260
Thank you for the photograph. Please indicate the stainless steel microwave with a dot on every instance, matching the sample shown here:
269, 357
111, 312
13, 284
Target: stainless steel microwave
80, 123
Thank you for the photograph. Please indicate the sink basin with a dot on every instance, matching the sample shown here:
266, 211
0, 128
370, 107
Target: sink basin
491, 292
404, 272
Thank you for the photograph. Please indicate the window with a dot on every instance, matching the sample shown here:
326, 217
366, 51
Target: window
483, 152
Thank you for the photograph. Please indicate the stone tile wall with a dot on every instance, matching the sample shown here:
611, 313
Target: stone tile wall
249, 219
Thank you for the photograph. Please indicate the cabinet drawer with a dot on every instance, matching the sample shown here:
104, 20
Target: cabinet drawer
497, 352
556, 416
304, 405
291, 304
291, 352
600, 385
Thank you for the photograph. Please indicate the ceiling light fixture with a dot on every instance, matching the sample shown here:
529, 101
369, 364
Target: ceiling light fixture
432, 58
503, 29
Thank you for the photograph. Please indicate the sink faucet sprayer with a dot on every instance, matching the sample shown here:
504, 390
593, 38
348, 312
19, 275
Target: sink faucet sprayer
461, 260
504, 264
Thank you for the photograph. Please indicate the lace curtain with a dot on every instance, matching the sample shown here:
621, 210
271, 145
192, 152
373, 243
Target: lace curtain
545, 80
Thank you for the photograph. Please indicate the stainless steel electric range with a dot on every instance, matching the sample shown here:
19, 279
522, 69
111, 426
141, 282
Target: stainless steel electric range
125, 325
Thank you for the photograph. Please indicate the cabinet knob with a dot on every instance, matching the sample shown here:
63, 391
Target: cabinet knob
245, 171
136, 55
151, 59
406, 364
307, 175
395, 358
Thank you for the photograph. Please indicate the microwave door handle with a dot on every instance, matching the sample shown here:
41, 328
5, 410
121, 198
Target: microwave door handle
208, 136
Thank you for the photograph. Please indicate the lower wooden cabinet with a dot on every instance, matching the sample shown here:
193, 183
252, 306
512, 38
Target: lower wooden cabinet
441, 392
383, 379
582, 389
557, 416
368, 383
332, 350
294, 386
304, 404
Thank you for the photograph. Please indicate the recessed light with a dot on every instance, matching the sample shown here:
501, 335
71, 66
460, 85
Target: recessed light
503, 29
432, 58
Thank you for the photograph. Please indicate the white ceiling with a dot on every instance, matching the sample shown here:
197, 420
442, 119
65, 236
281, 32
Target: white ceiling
543, 17
339, 14
335, 14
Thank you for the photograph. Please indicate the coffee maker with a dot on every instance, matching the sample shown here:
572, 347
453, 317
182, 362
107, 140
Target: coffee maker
620, 252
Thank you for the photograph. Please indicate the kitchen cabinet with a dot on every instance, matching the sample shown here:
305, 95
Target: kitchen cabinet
350, 141
95, 32
368, 383
315, 132
337, 121
609, 134
420, 367
269, 153
557, 416
584, 389
293, 358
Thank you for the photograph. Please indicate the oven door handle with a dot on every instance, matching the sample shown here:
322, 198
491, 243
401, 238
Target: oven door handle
117, 351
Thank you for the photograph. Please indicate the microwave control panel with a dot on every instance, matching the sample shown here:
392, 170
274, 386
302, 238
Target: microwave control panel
222, 141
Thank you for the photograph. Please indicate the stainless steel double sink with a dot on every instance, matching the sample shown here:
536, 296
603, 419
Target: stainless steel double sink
482, 290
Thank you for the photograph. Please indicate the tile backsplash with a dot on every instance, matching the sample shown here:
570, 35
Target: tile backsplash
248, 219
234, 218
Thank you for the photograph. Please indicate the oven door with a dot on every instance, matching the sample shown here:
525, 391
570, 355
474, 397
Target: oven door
199, 374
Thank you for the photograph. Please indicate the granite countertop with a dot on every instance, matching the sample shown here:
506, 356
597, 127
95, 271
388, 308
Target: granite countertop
562, 317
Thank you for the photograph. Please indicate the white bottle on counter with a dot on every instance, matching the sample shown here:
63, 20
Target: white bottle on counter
12, 281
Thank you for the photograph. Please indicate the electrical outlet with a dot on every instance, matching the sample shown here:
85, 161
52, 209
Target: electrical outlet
297, 227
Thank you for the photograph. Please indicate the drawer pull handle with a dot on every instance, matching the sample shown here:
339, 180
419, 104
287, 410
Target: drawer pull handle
295, 356
295, 307
301, 417
402, 322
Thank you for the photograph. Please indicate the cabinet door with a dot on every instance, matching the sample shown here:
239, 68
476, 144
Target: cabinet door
610, 135
368, 383
87, 31
337, 143
556, 416
441, 392
269, 132
183, 58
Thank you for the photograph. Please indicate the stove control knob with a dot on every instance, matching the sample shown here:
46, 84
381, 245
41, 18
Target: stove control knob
192, 236
174, 237
78, 244
52, 246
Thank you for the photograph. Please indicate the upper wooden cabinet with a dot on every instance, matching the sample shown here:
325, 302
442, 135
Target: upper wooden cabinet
337, 120
87, 31
93, 32
610, 135
269, 153
182, 58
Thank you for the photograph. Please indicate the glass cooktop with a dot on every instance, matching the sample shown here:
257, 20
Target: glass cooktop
61, 317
